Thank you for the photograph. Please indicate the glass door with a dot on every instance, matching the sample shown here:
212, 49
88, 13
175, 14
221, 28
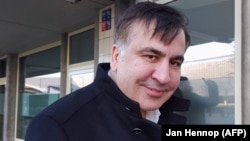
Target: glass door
39, 85
208, 72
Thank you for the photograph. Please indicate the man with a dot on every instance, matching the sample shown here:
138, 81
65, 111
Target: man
201, 102
133, 95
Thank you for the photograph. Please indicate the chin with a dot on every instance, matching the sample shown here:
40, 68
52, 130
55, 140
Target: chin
153, 103
151, 107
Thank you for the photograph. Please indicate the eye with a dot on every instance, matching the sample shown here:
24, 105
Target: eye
176, 63
150, 58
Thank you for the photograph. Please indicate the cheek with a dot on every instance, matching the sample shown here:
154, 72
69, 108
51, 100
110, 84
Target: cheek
134, 64
143, 71
176, 84
175, 81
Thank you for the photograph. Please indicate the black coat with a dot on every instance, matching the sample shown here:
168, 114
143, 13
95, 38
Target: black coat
100, 112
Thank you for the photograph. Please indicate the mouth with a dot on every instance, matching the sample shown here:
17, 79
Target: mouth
154, 92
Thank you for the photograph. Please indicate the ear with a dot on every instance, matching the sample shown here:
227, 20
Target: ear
114, 58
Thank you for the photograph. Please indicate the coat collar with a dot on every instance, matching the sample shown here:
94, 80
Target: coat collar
103, 81
174, 104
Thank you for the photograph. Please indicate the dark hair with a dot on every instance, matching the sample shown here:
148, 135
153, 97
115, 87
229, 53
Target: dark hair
169, 21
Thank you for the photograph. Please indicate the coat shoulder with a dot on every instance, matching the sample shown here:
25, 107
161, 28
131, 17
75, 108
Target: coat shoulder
62, 109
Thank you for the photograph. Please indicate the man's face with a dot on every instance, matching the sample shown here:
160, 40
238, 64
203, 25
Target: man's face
149, 71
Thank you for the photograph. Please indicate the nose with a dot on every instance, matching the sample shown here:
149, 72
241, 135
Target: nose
162, 73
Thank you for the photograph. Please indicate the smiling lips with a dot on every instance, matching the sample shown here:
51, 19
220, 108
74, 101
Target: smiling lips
154, 92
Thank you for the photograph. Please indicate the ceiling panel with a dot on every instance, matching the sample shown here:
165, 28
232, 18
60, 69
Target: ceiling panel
27, 24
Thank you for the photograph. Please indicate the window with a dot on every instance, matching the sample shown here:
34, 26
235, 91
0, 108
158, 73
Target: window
81, 77
81, 58
208, 71
2, 68
39, 72
82, 47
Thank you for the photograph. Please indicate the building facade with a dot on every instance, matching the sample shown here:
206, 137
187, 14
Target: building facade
31, 80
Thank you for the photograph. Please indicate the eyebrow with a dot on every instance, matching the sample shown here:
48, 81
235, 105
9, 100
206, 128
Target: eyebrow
152, 50
159, 53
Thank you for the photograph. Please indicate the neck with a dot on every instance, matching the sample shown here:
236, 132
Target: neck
143, 114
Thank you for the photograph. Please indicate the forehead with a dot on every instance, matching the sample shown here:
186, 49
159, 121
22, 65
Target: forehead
140, 27
141, 31
141, 34
147, 30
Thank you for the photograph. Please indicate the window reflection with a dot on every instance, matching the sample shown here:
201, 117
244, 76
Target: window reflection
81, 79
212, 100
209, 60
39, 73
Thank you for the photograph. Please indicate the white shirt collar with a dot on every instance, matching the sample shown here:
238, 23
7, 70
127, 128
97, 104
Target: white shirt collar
153, 115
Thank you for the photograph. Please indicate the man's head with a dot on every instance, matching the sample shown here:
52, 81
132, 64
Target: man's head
150, 42
168, 22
